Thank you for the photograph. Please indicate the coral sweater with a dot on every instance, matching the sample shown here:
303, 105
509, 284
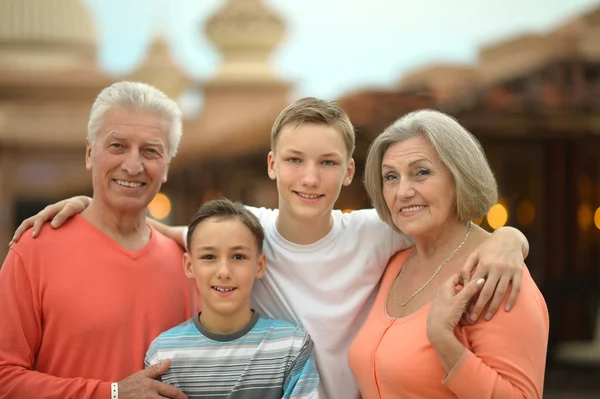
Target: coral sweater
77, 311
504, 357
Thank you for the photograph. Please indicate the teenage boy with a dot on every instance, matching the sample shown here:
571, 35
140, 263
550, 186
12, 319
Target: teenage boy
228, 350
324, 265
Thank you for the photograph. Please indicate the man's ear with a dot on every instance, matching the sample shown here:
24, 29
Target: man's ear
88, 154
164, 178
271, 165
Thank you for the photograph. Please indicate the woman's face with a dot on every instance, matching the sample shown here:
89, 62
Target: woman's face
418, 188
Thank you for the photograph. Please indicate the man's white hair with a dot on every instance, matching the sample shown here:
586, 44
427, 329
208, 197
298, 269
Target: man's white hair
142, 98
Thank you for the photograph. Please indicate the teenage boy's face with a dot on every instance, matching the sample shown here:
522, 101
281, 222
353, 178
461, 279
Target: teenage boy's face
310, 164
224, 260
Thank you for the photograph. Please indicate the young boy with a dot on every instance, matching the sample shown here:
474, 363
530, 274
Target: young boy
228, 350
325, 266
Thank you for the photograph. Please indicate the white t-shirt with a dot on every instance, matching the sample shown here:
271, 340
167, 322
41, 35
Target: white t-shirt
328, 286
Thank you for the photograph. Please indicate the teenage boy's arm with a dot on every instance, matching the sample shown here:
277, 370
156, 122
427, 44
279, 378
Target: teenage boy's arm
499, 260
177, 233
302, 377
60, 211
21, 336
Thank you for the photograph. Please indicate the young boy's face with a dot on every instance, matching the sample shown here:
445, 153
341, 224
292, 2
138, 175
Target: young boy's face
310, 163
224, 260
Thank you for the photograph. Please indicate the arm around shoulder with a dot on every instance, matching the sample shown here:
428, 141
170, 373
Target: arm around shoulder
176, 233
512, 234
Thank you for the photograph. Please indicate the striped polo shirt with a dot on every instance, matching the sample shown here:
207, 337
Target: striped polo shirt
267, 359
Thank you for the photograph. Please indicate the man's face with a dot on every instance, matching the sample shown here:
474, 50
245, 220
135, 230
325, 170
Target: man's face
310, 163
128, 160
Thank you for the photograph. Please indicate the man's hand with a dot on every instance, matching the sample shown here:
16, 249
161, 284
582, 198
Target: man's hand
143, 385
59, 212
500, 260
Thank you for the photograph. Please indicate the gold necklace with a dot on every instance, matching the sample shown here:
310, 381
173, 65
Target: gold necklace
403, 304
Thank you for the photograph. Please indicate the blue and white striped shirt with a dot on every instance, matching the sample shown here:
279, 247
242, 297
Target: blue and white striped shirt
268, 359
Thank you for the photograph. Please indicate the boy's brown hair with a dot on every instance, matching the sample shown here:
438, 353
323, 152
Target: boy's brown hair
224, 209
314, 110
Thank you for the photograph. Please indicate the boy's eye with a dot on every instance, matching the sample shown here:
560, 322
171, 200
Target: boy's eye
328, 163
239, 257
208, 257
294, 160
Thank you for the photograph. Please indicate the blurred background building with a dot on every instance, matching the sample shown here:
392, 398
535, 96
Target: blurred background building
533, 100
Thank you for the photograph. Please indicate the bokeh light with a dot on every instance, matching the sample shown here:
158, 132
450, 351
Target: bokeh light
584, 216
525, 213
497, 216
160, 207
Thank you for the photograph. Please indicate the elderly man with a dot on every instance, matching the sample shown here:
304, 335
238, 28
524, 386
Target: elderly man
80, 305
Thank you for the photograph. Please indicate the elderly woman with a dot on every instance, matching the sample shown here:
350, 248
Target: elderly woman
428, 177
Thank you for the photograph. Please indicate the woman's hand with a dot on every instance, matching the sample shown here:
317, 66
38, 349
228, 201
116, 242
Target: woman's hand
449, 304
446, 311
59, 212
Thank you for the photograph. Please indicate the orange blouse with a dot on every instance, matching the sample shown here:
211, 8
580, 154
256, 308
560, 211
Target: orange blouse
504, 357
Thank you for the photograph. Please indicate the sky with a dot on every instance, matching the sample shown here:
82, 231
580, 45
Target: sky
332, 47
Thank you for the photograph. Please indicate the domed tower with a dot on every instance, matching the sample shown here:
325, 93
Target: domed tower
242, 99
160, 70
246, 32
46, 34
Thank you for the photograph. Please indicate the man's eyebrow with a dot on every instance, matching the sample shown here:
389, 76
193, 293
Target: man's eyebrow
155, 142
116, 135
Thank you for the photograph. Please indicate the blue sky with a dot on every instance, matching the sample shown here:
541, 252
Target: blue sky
332, 46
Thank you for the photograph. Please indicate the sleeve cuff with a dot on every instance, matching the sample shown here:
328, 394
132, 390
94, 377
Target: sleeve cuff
460, 379
103, 391
456, 367
185, 233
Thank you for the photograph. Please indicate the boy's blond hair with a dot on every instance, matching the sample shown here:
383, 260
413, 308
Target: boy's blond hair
314, 110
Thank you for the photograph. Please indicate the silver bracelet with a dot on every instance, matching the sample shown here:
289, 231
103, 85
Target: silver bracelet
114, 390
